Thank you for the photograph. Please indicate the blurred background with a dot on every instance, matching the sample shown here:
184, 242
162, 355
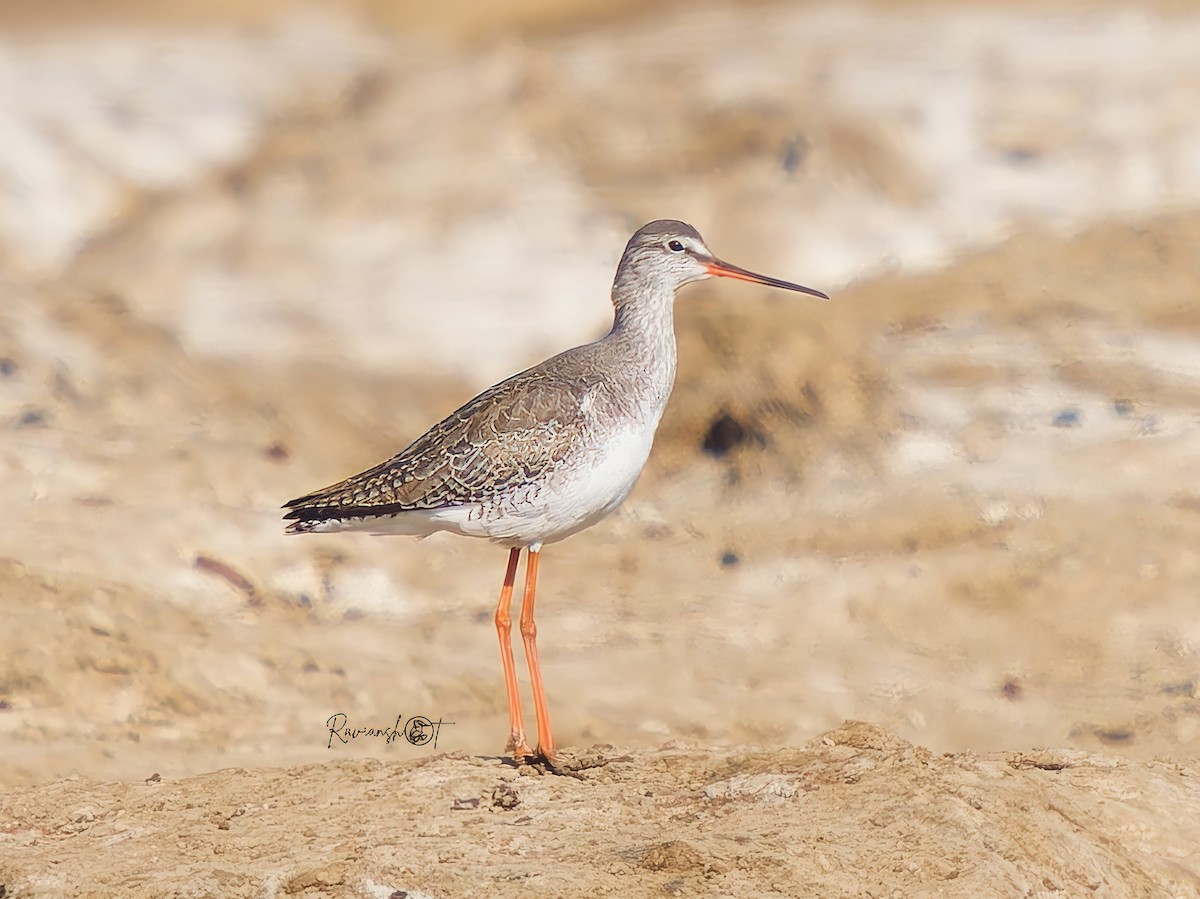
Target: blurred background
249, 249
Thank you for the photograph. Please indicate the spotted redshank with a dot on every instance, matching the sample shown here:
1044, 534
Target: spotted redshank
544, 454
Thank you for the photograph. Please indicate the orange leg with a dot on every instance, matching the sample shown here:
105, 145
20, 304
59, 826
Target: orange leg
516, 739
545, 744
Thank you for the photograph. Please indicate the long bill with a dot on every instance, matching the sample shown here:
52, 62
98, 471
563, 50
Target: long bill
725, 270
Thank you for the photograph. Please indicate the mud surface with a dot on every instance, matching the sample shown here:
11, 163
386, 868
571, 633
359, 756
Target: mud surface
856, 812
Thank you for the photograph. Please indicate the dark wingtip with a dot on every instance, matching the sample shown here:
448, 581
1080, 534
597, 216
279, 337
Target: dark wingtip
311, 515
306, 514
297, 505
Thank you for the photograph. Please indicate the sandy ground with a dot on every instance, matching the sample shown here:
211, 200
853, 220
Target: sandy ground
856, 812
959, 505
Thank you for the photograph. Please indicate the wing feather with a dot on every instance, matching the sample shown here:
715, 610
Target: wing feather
512, 433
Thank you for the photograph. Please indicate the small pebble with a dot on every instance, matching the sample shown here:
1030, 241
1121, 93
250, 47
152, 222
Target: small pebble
276, 452
794, 154
729, 558
725, 433
31, 418
1114, 734
1068, 418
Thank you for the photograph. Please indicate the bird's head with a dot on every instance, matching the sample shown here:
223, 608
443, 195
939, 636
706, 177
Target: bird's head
673, 253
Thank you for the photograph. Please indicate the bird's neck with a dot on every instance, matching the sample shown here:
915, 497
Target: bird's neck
643, 333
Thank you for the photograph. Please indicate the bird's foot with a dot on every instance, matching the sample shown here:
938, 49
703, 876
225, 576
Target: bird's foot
530, 760
574, 762
547, 763
519, 748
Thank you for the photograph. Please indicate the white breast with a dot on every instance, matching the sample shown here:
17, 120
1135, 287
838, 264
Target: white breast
597, 483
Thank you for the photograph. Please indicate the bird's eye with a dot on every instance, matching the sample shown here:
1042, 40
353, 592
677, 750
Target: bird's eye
675, 246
